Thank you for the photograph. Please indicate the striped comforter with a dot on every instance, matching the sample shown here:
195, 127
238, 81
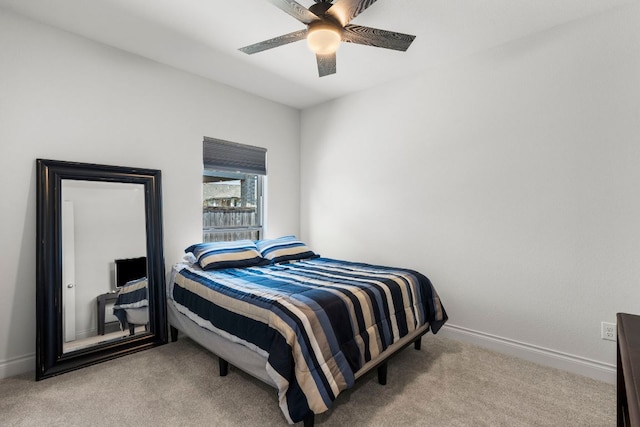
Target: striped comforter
134, 294
318, 320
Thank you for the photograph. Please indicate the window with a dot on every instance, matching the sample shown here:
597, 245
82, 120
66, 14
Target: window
231, 206
232, 191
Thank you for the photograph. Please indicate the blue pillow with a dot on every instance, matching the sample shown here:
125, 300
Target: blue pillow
286, 248
218, 255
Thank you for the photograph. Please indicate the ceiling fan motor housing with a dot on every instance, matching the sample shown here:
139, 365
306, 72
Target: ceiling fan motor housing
320, 8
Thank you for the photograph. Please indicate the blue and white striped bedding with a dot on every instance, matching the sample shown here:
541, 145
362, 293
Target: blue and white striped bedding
318, 320
134, 294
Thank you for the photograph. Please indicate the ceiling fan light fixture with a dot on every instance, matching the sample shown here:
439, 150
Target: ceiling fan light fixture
323, 38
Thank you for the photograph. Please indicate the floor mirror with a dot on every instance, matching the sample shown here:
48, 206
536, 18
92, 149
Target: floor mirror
100, 267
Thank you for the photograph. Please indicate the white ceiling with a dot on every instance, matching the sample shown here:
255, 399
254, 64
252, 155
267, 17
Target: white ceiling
203, 37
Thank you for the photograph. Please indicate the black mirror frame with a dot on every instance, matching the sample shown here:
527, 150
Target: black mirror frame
50, 359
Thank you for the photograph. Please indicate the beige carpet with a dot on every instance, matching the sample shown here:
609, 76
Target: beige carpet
447, 383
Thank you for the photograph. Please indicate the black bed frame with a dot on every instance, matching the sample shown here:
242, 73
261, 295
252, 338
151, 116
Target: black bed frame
381, 366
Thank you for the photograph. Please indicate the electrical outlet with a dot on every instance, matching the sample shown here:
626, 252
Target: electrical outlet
608, 331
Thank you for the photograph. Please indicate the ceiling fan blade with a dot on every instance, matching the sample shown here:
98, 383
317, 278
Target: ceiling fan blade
296, 10
345, 10
326, 64
274, 42
375, 37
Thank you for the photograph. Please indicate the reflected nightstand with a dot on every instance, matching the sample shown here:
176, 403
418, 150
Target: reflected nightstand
103, 300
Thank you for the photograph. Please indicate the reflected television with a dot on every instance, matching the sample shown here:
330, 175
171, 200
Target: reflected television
128, 269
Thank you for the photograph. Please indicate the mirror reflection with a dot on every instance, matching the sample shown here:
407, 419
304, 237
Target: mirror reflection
104, 262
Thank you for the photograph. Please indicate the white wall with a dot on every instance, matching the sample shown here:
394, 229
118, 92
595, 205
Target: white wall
66, 98
510, 178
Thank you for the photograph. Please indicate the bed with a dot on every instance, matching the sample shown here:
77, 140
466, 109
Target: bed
306, 325
132, 305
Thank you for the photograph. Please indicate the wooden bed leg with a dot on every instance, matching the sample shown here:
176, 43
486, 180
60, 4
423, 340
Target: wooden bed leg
174, 333
224, 367
417, 344
382, 374
309, 420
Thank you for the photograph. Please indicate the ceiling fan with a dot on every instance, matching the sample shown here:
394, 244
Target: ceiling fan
327, 25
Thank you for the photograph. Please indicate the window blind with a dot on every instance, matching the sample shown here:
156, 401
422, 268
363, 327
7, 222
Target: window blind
230, 156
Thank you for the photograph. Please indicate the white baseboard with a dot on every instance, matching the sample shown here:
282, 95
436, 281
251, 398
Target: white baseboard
578, 365
567, 362
17, 366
